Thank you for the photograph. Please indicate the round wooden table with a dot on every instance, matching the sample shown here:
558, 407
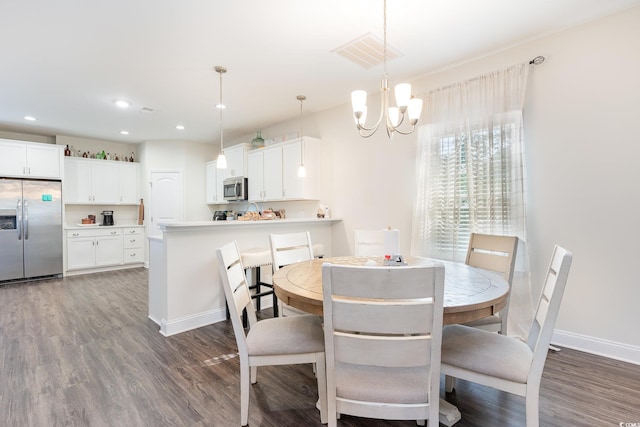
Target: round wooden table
470, 293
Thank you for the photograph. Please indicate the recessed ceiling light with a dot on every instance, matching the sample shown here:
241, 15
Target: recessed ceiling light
180, 127
124, 132
30, 118
221, 106
122, 103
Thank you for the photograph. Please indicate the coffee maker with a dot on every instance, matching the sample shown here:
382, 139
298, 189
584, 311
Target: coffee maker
107, 217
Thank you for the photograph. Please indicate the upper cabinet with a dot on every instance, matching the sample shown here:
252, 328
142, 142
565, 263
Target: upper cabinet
30, 159
211, 185
89, 181
265, 174
236, 166
236, 160
293, 153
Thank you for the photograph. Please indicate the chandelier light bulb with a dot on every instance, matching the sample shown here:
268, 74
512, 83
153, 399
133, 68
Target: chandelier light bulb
403, 95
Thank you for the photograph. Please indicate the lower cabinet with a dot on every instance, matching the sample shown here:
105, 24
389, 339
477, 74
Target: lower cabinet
104, 248
132, 240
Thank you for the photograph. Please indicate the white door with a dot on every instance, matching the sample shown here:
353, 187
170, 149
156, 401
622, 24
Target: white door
165, 197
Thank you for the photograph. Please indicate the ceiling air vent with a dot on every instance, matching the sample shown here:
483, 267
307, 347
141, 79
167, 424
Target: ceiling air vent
367, 51
145, 110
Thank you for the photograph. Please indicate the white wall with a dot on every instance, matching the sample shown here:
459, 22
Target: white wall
582, 153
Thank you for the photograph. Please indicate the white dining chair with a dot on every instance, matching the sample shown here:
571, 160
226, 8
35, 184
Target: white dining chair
383, 329
274, 341
495, 253
289, 248
369, 242
503, 362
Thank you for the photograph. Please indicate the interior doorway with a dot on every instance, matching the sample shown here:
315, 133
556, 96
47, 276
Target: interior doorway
166, 199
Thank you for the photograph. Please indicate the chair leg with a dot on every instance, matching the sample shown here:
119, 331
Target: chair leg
244, 393
532, 412
449, 383
257, 285
322, 386
254, 374
275, 305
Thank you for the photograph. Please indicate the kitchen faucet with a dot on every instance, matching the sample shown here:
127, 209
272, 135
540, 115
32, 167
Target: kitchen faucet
253, 204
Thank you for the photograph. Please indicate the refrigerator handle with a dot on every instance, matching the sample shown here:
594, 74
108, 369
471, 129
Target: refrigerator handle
26, 219
19, 218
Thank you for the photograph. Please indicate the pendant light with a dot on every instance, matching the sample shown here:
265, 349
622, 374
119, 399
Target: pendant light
302, 171
222, 160
407, 105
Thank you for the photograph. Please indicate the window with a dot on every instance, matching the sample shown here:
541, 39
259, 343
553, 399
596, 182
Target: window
470, 165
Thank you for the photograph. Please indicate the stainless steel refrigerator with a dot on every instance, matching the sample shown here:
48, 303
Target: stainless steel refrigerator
30, 229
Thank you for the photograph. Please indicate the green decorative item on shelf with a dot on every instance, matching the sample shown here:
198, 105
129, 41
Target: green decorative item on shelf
258, 141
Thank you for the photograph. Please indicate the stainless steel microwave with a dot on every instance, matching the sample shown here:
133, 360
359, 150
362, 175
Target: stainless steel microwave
235, 189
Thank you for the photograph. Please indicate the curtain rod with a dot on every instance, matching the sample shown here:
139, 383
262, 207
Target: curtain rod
537, 60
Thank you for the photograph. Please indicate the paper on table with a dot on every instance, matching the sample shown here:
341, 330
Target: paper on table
391, 242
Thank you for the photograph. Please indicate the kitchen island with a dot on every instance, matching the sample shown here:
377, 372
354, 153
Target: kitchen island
185, 291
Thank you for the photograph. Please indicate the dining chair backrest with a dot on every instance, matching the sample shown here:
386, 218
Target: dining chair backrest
548, 307
289, 248
383, 331
236, 290
492, 252
369, 242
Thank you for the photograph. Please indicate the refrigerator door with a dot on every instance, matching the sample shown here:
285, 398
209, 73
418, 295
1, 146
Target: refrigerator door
11, 254
42, 222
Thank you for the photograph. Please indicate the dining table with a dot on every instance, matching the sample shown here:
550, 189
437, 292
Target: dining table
470, 293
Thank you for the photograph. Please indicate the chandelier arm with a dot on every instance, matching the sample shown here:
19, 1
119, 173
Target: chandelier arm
409, 132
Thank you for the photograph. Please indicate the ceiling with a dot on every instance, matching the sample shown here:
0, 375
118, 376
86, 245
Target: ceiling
65, 62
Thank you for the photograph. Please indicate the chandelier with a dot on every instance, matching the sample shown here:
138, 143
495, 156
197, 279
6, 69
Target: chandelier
407, 107
221, 163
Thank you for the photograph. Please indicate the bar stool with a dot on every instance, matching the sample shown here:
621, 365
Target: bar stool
252, 260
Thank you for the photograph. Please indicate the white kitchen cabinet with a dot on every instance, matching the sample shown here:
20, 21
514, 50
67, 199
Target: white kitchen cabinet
91, 181
211, 188
236, 160
31, 160
133, 244
295, 187
129, 183
265, 174
94, 247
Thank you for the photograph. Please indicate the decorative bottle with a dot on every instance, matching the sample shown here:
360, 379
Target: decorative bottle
258, 141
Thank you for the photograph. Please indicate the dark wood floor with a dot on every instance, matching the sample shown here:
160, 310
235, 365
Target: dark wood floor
81, 351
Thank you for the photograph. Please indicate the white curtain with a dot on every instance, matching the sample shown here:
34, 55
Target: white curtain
471, 175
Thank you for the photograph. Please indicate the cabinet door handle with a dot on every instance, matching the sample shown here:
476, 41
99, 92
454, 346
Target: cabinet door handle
132, 254
114, 232
76, 234
132, 240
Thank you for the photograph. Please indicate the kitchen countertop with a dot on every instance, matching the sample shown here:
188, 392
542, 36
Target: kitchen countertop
190, 225
92, 226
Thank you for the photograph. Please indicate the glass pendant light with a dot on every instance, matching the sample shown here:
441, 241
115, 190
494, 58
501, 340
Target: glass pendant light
221, 163
302, 171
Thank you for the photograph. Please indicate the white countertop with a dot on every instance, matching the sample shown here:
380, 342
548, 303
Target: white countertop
91, 226
190, 225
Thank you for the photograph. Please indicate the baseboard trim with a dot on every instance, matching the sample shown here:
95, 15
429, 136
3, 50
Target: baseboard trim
184, 324
597, 346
